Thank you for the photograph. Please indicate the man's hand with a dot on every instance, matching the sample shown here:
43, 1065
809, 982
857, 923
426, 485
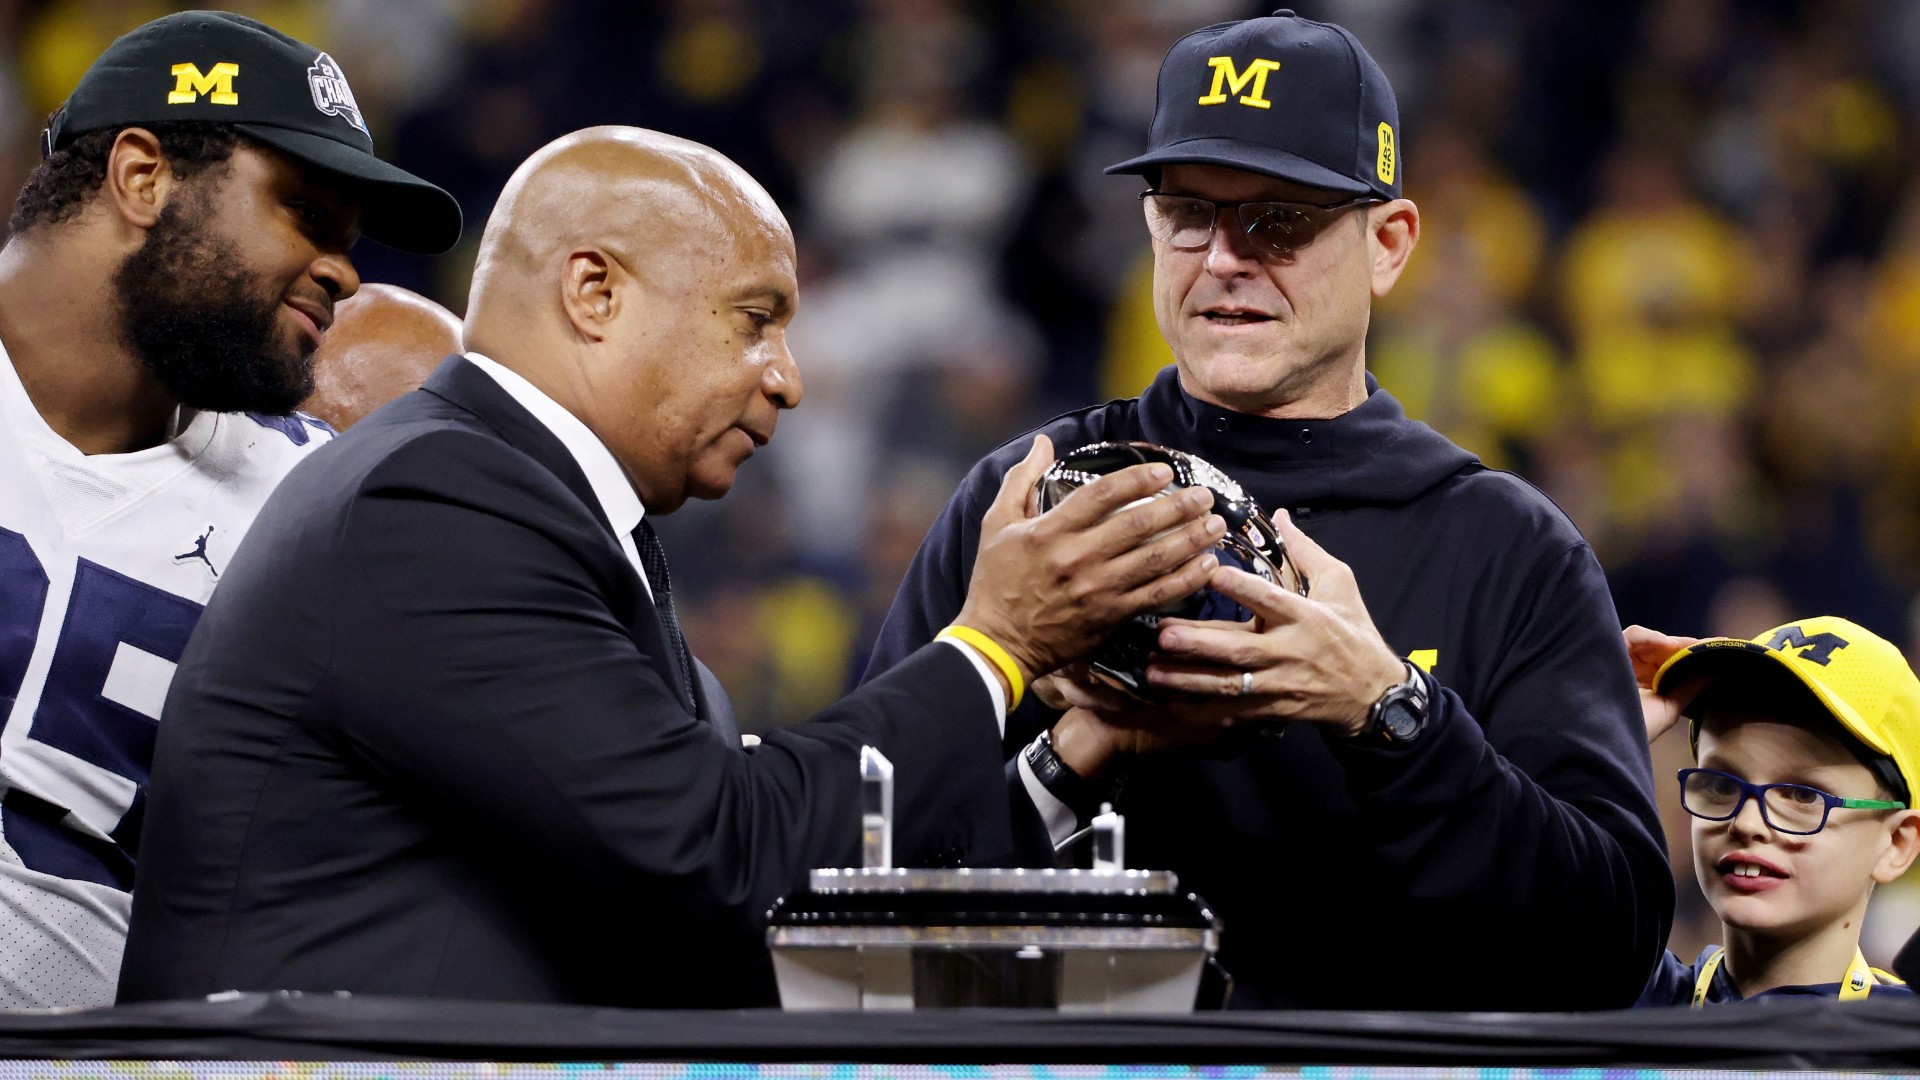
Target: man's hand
1049, 587
1101, 723
1648, 649
1317, 659
1088, 743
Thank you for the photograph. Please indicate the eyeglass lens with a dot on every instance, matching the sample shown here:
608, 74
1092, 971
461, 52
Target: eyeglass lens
1791, 808
1186, 222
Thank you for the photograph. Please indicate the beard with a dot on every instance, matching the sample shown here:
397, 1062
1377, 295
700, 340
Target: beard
205, 326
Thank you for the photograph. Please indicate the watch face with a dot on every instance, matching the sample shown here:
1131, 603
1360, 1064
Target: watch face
1401, 721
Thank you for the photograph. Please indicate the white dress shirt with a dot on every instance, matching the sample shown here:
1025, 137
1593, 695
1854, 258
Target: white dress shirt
609, 482
624, 510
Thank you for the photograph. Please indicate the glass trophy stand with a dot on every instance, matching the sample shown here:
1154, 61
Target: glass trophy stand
1105, 940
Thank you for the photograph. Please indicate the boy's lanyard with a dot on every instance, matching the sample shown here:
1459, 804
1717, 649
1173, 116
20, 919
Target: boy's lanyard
1858, 983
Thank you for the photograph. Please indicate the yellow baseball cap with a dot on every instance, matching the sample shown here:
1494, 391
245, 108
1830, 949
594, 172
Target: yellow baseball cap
1858, 675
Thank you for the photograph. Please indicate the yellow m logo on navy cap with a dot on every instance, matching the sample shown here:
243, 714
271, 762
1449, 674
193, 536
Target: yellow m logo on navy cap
1281, 95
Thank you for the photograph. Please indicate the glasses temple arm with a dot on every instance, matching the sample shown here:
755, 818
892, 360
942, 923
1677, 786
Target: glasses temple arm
1869, 804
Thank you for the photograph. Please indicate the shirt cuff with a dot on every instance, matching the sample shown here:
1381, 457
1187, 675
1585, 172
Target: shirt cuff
1059, 818
989, 676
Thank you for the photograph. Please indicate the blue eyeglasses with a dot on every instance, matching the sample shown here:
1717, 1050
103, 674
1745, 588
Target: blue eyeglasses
1788, 808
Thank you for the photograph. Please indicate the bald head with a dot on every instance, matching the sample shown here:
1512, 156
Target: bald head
644, 283
642, 197
384, 342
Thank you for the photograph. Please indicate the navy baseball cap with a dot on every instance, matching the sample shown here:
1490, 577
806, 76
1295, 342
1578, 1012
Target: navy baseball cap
219, 68
1281, 95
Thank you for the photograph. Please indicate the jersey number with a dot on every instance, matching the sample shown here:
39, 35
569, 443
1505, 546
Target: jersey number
107, 614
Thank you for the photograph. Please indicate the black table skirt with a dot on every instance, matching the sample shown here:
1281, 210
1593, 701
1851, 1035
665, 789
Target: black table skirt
1875, 1034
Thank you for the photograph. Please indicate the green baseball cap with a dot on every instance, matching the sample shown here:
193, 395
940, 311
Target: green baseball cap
220, 68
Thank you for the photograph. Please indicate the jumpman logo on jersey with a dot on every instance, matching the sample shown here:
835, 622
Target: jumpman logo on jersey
200, 552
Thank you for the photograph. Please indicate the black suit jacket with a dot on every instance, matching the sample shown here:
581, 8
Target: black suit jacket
425, 741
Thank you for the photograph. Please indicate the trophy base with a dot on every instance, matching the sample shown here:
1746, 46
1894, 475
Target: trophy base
1073, 941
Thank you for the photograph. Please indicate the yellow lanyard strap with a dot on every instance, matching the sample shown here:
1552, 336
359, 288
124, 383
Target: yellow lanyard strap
1858, 983
1859, 980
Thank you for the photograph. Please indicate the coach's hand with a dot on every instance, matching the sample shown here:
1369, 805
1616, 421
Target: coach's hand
1648, 649
1100, 723
1318, 659
1049, 587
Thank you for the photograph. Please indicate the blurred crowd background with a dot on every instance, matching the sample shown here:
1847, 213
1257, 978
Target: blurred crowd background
1669, 273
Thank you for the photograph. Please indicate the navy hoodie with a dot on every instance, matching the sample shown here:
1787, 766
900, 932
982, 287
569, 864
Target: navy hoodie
1674, 980
1516, 838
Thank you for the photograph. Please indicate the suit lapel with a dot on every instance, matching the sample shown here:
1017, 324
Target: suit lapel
462, 383
465, 385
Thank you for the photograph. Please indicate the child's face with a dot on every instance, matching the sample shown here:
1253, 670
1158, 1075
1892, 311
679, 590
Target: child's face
1805, 883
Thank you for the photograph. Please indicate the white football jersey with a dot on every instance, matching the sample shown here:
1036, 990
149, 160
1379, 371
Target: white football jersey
105, 563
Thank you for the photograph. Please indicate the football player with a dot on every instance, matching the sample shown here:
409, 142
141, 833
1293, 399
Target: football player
173, 263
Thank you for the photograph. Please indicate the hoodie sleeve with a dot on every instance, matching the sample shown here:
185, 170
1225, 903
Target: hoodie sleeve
1534, 822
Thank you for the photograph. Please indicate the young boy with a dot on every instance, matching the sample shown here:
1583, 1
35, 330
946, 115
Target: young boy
1808, 743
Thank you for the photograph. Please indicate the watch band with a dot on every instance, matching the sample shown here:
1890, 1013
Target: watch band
1080, 795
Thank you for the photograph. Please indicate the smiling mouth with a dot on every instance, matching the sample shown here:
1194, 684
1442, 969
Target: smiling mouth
316, 328
1748, 871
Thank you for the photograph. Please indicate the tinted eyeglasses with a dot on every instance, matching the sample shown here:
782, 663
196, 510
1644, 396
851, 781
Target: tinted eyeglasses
1788, 808
1275, 228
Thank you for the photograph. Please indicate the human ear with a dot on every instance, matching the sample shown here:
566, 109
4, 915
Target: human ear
1392, 232
590, 286
1903, 846
139, 180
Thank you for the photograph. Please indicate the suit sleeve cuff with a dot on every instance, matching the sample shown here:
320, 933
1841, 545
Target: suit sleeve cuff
991, 678
1058, 817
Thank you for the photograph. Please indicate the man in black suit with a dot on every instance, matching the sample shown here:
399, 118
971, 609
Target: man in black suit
438, 735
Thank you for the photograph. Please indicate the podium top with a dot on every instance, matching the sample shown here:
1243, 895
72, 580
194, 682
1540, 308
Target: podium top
995, 880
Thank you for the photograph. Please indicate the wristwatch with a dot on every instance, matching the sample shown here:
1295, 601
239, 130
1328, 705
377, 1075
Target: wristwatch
1400, 715
1082, 796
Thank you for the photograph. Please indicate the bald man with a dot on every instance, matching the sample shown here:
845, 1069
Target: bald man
438, 734
384, 342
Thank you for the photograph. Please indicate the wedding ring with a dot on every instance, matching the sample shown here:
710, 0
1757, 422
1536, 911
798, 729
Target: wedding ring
1246, 683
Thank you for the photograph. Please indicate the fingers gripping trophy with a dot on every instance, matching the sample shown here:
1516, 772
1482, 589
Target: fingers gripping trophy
1251, 544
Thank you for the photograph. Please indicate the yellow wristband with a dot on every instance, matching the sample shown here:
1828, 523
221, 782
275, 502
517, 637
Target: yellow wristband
995, 655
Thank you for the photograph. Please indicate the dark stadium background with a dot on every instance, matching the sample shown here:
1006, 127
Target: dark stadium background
1670, 270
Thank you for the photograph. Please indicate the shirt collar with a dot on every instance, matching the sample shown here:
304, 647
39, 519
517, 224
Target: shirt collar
617, 498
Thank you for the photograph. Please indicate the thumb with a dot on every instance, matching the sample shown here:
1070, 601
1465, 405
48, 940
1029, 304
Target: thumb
1312, 560
1014, 502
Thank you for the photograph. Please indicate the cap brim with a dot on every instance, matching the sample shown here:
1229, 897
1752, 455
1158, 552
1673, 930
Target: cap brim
1237, 154
399, 209
1716, 656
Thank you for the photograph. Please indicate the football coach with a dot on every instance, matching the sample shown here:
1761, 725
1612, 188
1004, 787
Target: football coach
1462, 801
438, 733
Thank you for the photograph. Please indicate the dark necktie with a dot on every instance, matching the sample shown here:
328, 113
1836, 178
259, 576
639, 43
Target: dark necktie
653, 559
